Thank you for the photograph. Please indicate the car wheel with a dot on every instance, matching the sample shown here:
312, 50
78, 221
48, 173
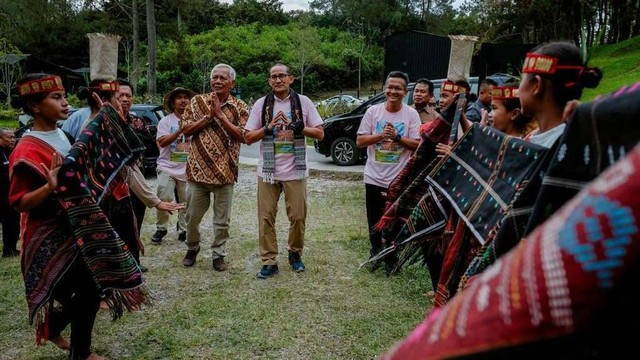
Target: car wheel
344, 152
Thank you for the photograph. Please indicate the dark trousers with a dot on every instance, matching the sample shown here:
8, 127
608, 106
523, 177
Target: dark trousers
375, 200
10, 229
77, 293
123, 221
139, 208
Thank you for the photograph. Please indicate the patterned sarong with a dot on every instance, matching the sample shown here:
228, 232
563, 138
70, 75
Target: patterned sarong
574, 275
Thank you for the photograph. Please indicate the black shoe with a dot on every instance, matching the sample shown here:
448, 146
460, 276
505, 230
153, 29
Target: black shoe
219, 264
159, 235
296, 262
182, 236
190, 257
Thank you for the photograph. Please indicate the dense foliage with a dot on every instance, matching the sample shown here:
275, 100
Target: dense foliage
331, 46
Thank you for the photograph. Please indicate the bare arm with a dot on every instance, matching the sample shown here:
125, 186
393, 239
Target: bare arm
166, 140
37, 196
314, 132
362, 141
409, 143
251, 137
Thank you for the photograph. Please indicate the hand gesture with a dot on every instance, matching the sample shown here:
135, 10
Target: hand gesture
484, 117
214, 107
569, 109
52, 171
169, 206
389, 132
297, 127
443, 149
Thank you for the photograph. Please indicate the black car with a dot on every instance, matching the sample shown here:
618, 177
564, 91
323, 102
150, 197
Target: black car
340, 131
151, 114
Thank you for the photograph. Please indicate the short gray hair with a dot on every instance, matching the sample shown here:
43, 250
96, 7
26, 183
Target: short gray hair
232, 72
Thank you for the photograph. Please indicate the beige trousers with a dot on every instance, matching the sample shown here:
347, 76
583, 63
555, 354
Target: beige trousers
198, 201
295, 199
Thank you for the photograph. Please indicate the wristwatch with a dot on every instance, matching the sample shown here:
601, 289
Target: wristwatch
398, 137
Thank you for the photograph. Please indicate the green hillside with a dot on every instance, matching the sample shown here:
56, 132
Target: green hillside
620, 64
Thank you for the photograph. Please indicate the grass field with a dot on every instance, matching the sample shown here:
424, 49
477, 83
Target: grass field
332, 311
620, 64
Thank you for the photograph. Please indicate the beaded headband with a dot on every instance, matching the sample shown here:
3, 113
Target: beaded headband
504, 93
111, 86
451, 87
42, 85
545, 64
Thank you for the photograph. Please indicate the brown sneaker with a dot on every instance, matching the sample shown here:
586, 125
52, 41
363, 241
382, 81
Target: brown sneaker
219, 264
190, 258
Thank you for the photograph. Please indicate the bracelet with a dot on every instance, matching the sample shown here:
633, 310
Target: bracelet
266, 130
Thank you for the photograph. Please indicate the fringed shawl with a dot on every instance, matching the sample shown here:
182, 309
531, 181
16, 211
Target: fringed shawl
599, 133
568, 277
87, 175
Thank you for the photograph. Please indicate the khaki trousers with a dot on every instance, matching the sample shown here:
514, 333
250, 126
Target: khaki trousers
295, 199
168, 188
198, 201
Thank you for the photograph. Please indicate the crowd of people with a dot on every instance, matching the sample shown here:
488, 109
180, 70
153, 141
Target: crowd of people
458, 185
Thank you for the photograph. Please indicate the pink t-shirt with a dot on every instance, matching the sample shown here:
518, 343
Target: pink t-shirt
173, 158
386, 158
284, 151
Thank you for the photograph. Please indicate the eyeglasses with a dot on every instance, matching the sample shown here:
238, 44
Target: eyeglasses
280, 77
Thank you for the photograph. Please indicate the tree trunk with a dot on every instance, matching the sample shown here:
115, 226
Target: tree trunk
635, 31
151, 52
179, 21
626, 18
136, 46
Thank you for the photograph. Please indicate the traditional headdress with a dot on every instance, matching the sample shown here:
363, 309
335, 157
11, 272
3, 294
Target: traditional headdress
504, 93
546, 65
103, 61
451, 87
42, 85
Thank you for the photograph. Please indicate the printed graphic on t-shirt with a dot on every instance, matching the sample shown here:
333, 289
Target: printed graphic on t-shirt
179, 149
283, 140
388, 151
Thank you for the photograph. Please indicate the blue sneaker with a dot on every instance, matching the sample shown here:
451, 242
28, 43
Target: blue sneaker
267, 271
296, 262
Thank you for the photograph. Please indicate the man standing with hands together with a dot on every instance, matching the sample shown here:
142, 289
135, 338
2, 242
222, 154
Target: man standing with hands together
281, 120
215, 122
390, 132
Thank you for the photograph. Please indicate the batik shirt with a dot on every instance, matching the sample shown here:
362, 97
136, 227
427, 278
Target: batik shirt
213, 153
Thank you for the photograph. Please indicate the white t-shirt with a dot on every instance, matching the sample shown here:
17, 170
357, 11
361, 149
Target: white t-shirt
386, 158
547, 138
173, 158
56, 138
284, 151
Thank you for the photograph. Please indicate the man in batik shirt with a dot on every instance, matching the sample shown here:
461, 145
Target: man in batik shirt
215, 122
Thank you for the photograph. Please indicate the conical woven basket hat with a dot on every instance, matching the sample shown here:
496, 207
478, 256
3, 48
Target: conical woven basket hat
103, 56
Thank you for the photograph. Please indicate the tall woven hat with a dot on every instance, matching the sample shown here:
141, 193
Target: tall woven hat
103, 56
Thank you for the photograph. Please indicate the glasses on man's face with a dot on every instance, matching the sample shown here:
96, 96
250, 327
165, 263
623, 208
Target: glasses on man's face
280, 77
